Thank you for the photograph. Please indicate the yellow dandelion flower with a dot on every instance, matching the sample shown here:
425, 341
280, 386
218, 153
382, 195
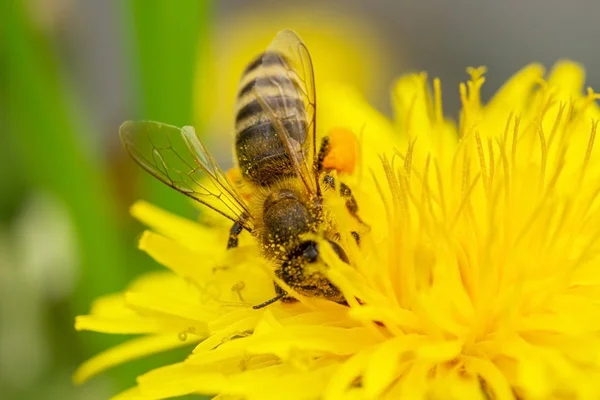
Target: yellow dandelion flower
479, 278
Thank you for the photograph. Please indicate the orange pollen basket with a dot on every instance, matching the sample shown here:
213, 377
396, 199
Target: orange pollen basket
343, 154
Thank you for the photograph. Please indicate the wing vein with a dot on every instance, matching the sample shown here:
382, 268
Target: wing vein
177, 158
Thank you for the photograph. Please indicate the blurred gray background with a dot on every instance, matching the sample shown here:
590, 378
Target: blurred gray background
437, 36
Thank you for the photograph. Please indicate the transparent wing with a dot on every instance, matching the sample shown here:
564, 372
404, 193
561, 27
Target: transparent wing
293, 107
176, 157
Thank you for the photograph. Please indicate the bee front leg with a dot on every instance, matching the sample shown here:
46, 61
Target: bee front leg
234, 232
351, 204
291, 272
280, 296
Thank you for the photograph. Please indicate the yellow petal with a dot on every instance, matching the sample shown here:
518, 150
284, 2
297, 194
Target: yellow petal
290, 384
113, 314
111, 305
413, 384
189, 233
181, 379
241, 325
131, 325
313, 338
492, 376
456, 384
420, 122
383, 368
172, 314
413, 107
154, 281
128, 351
345, 376
170, 253
237, 277
133, 393
515, 94
568, 78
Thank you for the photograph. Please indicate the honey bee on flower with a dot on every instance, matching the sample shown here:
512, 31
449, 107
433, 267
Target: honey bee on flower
276, 149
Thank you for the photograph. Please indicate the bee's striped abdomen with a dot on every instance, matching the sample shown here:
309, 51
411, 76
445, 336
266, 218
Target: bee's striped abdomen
261, 154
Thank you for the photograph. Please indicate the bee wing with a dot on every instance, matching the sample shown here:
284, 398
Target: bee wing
288, 49
177, 158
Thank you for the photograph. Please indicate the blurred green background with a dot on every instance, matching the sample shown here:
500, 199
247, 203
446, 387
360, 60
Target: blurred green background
73, 71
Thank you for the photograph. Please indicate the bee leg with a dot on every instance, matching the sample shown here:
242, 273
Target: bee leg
280, 293
234, 232
288, 267
356, 237
292, 272
284, 295
275, 299
323, 150
351, 204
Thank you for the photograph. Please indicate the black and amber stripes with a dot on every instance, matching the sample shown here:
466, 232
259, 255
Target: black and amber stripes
268, 80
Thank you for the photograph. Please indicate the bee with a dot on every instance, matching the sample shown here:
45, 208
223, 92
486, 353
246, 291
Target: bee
275, 147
